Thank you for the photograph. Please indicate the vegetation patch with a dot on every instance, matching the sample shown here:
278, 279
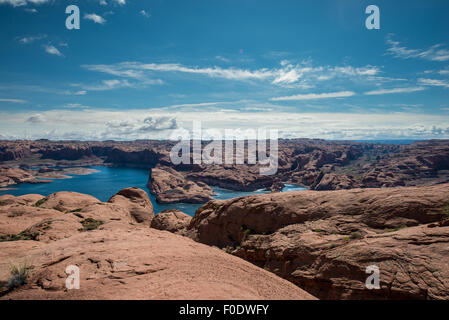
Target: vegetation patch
18, 277
246, 232
215, 206
40, 202
446, 209
75, 210
90, 224
46, 225
356, 235
395, 229
24, 235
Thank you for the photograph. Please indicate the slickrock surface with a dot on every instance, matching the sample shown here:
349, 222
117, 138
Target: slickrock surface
171, 220
136, 202
118, 257
171, 186
323, 241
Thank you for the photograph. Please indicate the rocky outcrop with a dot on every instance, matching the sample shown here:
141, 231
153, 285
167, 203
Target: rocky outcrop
276, 186
232, 177
136, 202
61, 214
171, 220
14, 151
12, 176
411, 261
316, 164
171, 186
67, 152
332, 181
117, 257
324, 241
65, 201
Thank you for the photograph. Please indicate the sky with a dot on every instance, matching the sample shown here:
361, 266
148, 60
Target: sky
141, 69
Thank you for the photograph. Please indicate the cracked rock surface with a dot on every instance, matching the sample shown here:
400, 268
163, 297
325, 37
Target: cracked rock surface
324, 241
118, 255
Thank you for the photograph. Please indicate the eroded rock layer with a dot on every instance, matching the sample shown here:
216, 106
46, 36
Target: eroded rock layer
118, 255
324, 241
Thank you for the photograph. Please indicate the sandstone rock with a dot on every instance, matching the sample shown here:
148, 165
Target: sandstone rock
412, 262
303, 161
233, 177
16, 150
171, 186
171, 220
137, 202
11, 176
332, 181
323, 241
121, 259
45, 169
66, 201
277, 185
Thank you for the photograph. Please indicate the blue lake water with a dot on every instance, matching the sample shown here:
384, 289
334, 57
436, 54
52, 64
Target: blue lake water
109, 180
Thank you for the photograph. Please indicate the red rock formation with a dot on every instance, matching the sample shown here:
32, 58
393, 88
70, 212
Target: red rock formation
323, 241
171, 186
117, 257
171, 220
136, 202
318, 164
11, 176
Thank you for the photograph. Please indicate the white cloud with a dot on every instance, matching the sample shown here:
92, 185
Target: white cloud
19, 3
120, 2
232, 73
13, 100
31, 39
434, 53
96, 124
107, 85
395, 90
148, 125
95, 18
53, 50
288, 75
434, 82
314, 96
103, 3
115, 70
37, 118
144, 13
222, 59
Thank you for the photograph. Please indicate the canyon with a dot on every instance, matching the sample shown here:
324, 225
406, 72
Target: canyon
119, 256
367, 204
316, 164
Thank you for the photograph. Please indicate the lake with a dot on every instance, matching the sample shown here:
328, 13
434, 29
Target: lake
109, 180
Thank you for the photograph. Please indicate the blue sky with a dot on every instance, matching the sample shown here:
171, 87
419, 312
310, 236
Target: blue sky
139, 69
